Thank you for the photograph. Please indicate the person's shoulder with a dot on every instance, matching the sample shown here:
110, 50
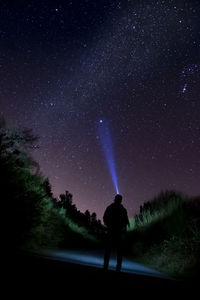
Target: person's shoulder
123, 208
110, 206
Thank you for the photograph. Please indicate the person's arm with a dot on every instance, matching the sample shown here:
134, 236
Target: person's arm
105, 217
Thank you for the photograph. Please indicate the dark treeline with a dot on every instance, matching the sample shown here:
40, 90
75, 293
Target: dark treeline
87, 219
32, 216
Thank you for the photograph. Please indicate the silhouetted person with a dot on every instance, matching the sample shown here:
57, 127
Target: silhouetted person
116, 219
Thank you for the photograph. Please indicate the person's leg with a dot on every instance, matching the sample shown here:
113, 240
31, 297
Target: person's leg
119, 254
107, 253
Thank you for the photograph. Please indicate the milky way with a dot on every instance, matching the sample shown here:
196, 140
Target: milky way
66, 65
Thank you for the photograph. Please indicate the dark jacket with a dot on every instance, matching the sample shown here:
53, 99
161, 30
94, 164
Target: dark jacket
115, 217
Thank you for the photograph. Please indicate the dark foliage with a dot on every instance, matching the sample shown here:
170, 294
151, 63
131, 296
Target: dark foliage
87, 220
32, 216
167, 234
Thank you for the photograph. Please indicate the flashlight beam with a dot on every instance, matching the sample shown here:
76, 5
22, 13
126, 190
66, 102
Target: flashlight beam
107, 146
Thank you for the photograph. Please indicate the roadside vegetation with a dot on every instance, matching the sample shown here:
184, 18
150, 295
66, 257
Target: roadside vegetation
165, 235
34, 218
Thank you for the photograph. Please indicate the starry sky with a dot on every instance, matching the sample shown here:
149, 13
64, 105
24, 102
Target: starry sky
67, 66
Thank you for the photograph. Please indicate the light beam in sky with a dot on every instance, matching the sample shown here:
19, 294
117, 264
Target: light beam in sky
107, 146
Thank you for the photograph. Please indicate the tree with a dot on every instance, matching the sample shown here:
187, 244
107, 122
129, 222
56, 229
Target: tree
93, 218
87, 216
66, 200
26, 196
47, 187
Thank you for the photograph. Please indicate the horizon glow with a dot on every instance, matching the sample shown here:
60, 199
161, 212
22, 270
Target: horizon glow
107, 146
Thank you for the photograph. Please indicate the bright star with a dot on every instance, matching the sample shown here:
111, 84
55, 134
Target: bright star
184, 88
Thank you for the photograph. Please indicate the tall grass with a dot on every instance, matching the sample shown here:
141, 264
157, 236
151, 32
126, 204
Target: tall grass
58, 230
80, 230
160, 208
132, 225
151, 217
166, 234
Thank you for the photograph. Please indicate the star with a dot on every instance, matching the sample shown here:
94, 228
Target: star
184, 88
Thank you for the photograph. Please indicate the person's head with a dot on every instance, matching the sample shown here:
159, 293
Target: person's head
118, 199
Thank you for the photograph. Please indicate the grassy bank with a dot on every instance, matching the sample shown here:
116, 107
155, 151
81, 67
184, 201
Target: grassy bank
166, 234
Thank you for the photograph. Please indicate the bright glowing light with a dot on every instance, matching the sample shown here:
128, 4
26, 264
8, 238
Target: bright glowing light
184, 88
106, 143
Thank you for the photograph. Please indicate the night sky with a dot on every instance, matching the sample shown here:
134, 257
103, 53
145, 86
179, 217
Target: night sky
67, 67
